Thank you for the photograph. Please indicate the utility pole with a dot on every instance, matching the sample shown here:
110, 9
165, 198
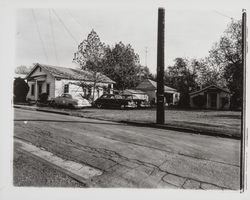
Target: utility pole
146, 54
243, 119
160, 113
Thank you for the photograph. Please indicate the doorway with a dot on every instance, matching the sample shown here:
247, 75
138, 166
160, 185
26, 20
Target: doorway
213, 97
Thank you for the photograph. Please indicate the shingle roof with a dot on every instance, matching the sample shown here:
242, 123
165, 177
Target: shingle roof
206, 88
70, 73
152, 85
133, 91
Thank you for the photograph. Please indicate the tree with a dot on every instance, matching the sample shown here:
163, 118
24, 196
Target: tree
21, 89
89, 56
208, 74
22, 69
144, 73
227, 56
121, 64
181, 76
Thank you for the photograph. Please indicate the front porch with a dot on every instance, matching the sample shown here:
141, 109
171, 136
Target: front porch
38, 85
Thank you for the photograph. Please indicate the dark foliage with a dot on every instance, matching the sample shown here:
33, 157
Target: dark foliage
21, 89
43, 98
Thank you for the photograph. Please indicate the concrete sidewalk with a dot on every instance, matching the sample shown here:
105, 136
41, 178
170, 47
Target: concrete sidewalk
80, 172
141, 124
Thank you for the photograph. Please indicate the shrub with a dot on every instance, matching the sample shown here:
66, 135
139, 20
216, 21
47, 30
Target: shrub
43, 98
21, 89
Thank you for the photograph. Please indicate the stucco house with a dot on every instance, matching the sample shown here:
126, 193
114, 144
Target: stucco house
150, 88
211, 97
55, 81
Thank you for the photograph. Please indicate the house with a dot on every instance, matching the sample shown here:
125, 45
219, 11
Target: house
136, 93
55, 80
150, 88
211, 97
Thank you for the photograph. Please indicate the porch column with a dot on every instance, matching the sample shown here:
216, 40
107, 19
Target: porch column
218, 101
36, 90
207, 101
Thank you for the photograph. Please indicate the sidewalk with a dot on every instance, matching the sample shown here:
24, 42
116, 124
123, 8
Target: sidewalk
181, 128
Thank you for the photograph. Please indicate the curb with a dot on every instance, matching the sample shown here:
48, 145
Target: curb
180, 129
42, 110
150, 125
59, 163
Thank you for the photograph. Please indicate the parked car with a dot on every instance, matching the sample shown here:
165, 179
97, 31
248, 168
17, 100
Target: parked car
139, 102
67, 100
114, 100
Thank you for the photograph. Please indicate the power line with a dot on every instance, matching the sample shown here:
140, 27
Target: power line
39, 33
53, 36
219, 13
65, 27
75, 19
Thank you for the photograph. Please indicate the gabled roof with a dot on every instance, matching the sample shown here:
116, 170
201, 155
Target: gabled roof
130, 91
210, 86
69, 73
152, 85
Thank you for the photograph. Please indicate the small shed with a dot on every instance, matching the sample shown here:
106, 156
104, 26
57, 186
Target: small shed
211, 97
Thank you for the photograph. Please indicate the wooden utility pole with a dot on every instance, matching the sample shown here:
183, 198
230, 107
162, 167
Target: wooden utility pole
160, 113
243, 119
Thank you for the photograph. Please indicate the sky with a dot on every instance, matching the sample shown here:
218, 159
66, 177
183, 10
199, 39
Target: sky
51, 34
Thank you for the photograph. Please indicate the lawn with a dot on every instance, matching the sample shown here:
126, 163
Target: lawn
222, 122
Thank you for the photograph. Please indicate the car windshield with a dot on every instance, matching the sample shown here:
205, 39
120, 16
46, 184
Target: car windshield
67, 96
118, 96
127, 97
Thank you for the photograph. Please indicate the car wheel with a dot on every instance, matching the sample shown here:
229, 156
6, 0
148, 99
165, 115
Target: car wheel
122, 106
99, 105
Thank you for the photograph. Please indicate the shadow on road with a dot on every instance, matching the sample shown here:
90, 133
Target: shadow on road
68, 121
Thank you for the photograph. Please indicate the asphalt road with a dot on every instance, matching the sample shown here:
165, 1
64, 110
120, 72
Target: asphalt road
132, 156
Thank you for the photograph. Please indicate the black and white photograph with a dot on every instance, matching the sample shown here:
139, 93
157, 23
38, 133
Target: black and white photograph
126, 95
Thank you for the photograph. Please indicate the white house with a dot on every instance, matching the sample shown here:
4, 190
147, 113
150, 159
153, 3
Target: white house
150, 88
55, 81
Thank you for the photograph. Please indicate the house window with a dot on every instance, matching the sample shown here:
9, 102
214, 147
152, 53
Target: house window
109, 88
48, 89
66, 88
40, 69
89, 91
32, 89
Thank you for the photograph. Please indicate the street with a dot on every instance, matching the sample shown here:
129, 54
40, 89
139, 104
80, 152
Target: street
131, 156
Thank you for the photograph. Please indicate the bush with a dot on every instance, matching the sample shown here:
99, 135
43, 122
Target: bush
199, 100
21, 89
43, 98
